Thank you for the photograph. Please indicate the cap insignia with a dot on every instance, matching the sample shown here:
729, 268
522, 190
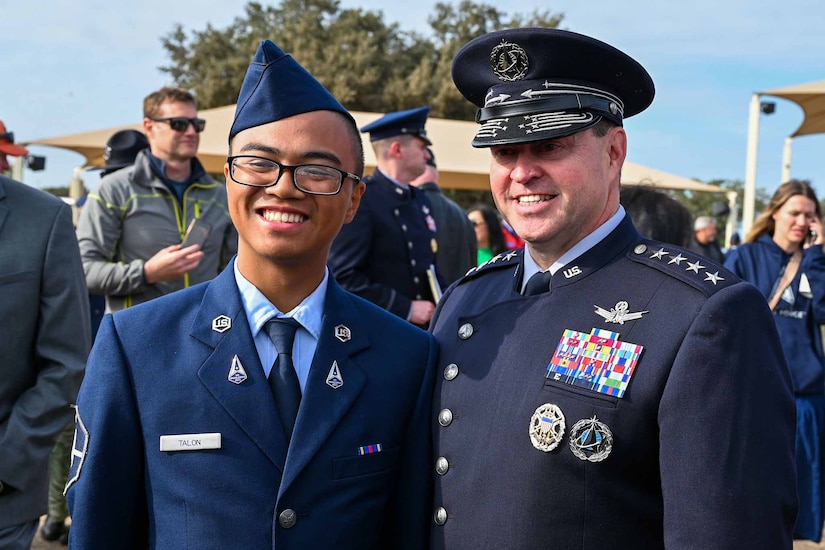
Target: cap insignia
509, 61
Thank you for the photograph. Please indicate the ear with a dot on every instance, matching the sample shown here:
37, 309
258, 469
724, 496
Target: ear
395, 149
616, 149
148, 127
226, 172
354, 200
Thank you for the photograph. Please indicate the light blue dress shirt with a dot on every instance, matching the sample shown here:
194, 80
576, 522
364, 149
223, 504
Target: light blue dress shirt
310, 313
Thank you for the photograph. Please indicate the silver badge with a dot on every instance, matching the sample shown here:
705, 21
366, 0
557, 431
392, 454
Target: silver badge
591, 440
237, 374
509, 61
343, 333
334, 378
547, 427
465, 331
619, 314
221, 323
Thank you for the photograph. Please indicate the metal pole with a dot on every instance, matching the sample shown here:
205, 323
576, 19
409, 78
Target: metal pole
749, 200
733, 217
786, 160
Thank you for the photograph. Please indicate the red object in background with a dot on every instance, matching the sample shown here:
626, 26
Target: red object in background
511, 240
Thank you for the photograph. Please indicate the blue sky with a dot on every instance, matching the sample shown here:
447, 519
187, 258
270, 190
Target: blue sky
85, 65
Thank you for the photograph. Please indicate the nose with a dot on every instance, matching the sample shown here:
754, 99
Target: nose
285, 184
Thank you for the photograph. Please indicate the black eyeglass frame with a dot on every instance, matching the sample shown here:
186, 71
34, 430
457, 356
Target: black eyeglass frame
198, 123
8, 136
283, 167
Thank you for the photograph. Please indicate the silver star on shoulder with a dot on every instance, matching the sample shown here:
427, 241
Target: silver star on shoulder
695, 267
677, 259
510, 256
713, 277
659, 254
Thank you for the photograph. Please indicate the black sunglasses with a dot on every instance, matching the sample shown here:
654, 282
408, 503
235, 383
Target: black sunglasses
8, 136
181, 123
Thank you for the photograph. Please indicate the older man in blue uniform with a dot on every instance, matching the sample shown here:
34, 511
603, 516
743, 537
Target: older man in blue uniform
257, 410
387, 253
597, 389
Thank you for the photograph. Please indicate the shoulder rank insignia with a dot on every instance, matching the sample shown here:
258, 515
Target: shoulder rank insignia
682, 264
619, 314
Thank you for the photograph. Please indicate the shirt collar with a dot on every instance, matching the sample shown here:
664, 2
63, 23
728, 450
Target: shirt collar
259, 310
591, 240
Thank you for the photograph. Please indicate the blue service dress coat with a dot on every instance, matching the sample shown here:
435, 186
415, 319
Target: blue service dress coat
165, 368
384, 253
697, 453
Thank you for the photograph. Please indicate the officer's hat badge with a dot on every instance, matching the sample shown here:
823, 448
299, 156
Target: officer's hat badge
509, 61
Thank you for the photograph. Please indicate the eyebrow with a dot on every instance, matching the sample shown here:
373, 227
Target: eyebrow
306, 155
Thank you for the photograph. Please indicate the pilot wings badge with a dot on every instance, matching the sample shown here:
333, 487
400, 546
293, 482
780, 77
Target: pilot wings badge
619, 314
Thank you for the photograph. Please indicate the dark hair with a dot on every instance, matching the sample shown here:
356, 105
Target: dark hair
764, 223
490, 216
657, 215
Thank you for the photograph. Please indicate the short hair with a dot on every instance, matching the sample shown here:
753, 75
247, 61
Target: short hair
702, 222
167, 94
656, 215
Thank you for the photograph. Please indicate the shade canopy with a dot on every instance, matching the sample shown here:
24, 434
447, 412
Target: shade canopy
460, 166
811, 97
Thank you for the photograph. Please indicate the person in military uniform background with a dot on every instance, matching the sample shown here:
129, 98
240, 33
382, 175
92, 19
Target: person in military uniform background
385, 253
598, 389
256, 410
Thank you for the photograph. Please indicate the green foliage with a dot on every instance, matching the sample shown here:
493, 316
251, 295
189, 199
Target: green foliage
57, 191
367, 63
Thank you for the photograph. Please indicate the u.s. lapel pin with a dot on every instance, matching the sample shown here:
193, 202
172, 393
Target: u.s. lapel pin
343, 333
237, 374
221, 323
334, 378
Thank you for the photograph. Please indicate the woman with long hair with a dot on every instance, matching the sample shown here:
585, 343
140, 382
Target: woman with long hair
488, 231
783, 257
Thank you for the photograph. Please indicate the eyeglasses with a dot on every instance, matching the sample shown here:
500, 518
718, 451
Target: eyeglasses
181, 123
313, 179
8, 136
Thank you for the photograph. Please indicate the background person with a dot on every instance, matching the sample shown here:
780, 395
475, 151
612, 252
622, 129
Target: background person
489, 234
44, 347
222, 433
704, 239
656, 214
599, 389
782, 256
132, 226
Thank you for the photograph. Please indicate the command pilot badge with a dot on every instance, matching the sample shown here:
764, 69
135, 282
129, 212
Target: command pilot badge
591, 440
547, 427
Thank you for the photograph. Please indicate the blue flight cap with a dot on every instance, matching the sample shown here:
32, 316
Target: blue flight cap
402, 122
535, 84
277, 87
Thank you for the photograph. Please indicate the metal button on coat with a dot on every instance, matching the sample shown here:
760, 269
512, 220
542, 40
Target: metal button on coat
442, 465
451, 371
445, 417
288, 518
412, 263
440, 516
640, 249
396, 212
403, 227
465, 331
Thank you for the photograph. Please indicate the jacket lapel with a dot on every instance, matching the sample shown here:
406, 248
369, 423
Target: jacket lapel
323, 407
250, 402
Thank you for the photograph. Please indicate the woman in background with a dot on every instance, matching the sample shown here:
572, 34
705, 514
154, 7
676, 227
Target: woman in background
488, 231
783, 257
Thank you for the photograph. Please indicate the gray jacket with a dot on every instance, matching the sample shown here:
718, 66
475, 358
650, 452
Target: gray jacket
132, 216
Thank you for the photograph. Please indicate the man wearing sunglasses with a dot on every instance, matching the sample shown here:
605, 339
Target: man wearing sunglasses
133, 229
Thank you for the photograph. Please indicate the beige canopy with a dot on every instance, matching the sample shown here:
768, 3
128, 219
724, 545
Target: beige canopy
460, 166
811, 97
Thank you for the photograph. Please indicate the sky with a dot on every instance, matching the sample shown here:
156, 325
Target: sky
68, 67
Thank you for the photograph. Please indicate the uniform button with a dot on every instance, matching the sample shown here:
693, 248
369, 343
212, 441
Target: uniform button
410, 245
445, 417
287, 518
440, 516
441, 465
416, 280
465, 331
451, 371
396, 212
412, 263
403, 227
419, 297
640, 249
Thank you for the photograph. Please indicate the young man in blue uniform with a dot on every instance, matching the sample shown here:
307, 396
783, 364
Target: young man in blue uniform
385, 253
200, 425
597, 389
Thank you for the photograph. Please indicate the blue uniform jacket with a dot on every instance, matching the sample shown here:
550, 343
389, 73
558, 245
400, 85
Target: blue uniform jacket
164, 368
701, 445
801, 310
384, 253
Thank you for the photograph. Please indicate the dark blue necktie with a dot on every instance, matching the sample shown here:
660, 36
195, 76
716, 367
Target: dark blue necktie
283, 380
539, 283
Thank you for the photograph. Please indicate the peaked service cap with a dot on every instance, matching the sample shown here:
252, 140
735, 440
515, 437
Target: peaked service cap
410, 122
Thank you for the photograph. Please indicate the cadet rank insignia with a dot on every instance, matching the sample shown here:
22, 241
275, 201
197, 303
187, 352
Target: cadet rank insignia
591, 440
598, 361
547, 427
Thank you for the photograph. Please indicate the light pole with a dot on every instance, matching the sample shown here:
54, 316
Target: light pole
749, 200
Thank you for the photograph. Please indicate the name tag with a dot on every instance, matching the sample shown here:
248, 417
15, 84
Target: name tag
190, 442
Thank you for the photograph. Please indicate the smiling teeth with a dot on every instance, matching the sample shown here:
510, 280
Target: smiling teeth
282, 217
533, 198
